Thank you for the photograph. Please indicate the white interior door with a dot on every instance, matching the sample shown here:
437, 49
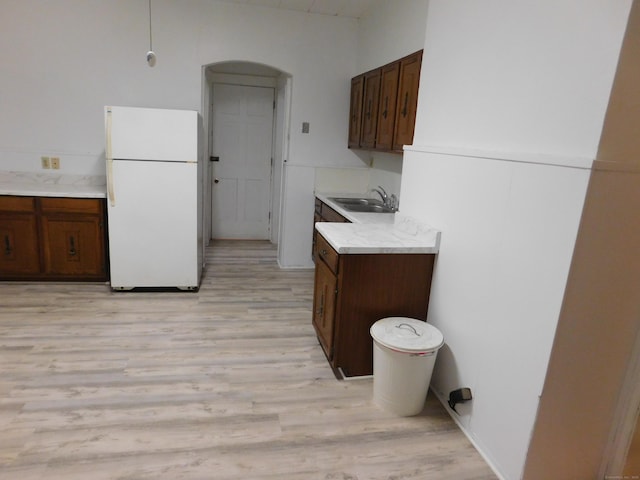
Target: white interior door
242, 140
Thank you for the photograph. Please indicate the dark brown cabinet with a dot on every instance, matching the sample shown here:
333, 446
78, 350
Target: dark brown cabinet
407, 100
353, 291
19, 234
324, 302
383, 105
370, 102
52, 238
355, 111
387, 110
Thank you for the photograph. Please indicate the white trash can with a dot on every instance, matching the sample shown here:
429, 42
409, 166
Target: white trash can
404, 353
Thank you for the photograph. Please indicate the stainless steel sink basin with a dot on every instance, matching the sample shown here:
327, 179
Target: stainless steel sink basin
356, 201
368, 208
367, 205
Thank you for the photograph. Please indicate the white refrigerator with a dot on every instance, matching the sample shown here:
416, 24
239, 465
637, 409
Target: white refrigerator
154, 197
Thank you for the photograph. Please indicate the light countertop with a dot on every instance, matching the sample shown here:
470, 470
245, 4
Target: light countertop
52, 185
377, 232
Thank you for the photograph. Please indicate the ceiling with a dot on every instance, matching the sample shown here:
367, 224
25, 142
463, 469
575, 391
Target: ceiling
338, 8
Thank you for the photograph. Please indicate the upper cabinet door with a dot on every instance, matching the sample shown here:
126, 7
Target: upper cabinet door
370, 108
407, 100
355, 113
387, 107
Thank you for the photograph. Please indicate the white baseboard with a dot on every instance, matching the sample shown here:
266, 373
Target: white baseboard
456, 419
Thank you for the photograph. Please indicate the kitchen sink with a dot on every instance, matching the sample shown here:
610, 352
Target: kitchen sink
368, 208
356, 201
358, 204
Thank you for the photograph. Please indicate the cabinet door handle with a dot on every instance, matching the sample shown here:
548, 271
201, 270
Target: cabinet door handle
321, 307
369, 110
386, 107
8, 250
406, 101
72, 246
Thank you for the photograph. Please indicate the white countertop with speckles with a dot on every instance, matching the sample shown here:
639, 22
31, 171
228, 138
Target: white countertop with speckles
377, 232
52, 185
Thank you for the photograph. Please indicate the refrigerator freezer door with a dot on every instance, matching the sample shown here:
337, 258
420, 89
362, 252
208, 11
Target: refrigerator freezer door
153, 226
152, 134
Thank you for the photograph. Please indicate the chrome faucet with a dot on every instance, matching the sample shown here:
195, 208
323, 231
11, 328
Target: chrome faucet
383, 195
388, 201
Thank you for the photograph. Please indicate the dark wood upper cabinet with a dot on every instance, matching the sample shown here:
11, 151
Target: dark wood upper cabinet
370, 108
386, 99
387, 108
355, 111
407, 100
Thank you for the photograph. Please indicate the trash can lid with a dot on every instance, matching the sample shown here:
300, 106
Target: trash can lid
406, 334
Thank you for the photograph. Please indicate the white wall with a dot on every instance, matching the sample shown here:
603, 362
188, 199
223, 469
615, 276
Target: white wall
516, 92
62, 61
519, 76
389, 31
508, 230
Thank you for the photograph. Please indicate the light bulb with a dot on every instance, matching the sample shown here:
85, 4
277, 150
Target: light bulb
151, 58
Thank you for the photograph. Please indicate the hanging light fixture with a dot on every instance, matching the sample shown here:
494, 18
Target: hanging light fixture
151, 56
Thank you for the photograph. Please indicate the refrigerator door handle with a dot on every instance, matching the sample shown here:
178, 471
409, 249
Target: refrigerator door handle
109, 155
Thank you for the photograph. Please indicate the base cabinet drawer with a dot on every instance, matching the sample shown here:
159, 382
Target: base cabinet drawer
327, 254
323, 213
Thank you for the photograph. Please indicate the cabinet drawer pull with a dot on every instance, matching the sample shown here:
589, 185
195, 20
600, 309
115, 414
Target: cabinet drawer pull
406, 101
72, 246
7, 246
324, 252
320, 309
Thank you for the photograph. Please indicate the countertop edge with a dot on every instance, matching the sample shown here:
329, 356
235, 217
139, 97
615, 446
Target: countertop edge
422, 240
30, 184
39, 192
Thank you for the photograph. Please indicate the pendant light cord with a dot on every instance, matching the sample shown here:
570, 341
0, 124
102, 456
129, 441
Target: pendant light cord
150, 36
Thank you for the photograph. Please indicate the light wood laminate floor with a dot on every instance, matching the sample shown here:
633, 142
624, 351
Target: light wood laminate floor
226, 383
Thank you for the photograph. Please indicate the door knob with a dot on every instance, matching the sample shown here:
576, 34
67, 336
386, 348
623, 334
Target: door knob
216, 180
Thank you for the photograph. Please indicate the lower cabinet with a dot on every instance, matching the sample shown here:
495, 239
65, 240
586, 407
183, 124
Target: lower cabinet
324, 306
353, 291
52, 238
19, 234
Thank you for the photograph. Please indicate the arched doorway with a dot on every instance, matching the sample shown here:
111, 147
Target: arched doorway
244, 109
